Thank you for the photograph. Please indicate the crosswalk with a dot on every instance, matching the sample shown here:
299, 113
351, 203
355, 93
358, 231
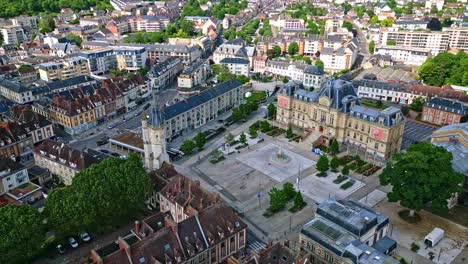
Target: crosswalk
256, 246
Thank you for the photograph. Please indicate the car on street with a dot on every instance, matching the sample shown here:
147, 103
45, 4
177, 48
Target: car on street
72, 242
85, 237
138, 113
115, 154
148, 105
60, 249
110, 126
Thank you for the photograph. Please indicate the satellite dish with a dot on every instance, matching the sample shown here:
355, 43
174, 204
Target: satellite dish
248, 94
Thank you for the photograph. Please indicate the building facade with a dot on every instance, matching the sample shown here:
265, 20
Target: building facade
435, 41
334, 111
404, 55
314, 77
443, 112
196, 74
164, 73
68, 68
15, 142
237, 66
13, 34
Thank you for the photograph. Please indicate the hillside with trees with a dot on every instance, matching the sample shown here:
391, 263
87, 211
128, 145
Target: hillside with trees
445, 68
31, 7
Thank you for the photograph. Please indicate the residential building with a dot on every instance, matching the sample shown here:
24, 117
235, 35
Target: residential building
278, 253
196, 74
259, 63
149, 23
67, 68
405, 55
61, 159
345, 231
25, 21
234, 49
435, 41
131, 58
101, 60
458, 38
15, 142
343, 58
164, 73
403, 93
184, 198
334, 111
236, 66
209, 237
410, 24
37, 126
126, 91
27, 75
314, 77
13, 34
196, 110
442, 111
438, 4
159, 52
292, 70
15, 187
74, 115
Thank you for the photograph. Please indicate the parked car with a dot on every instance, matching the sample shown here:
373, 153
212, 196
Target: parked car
115, 154
72, 242
60, 249
110, 126
147, 106
102, 141
85, 237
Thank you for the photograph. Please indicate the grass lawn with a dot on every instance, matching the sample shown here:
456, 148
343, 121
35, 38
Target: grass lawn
256, 96
373, 104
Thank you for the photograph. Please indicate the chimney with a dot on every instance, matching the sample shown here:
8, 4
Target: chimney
137, 227
190, 190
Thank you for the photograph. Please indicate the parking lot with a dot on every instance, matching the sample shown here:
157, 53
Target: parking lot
416, 132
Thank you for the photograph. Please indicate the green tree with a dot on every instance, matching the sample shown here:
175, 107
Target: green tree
265, 126
334, 147
276, 51
77, 39
307, 60
422, 175
374, 20
293, 48
320, 64
348, 25
445, 68
289, 191
22, 233
242, 79
252, 132
200, 140
46, 24
391, 42
278, 200
188, 146
271, 110
322, 164
299, 200
289, 132
243, 138
100, 195
345, 170
237, 115
285, 80
417, 104
334, 163
372, 46
229, 138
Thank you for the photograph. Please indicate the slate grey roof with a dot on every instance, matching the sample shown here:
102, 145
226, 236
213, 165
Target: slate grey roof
448, 105
164, 66
336, 90
312, 69
234, 61
196, 100
390, 116
13, 86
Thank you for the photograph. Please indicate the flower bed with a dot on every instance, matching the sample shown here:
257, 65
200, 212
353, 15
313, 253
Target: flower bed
340, 179
347, 185
214, 161
371, 171
345, 160
275, 131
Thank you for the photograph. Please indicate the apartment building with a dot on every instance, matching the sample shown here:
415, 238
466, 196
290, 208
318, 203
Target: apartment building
159, 52
410, 24
345, 231
15, 142
340, 59
25, 21
403, 93
196, 74
13, 34
292, 70
211, 236
236, 66
65, 69
74, 115
37, 126
15, 91
458, 37
435, 41
334, 111
314, 77
183, 198
196, 110
405, 55
131, 58
15, 186
234, 49
148, 23
164, 73
259, 63
443, 112
61, 159
101, 60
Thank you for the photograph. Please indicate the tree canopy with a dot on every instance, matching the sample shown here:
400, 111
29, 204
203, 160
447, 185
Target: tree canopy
445, 68
322, 164
33, 7
22, 233
422, 175
99, 195
293, 48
